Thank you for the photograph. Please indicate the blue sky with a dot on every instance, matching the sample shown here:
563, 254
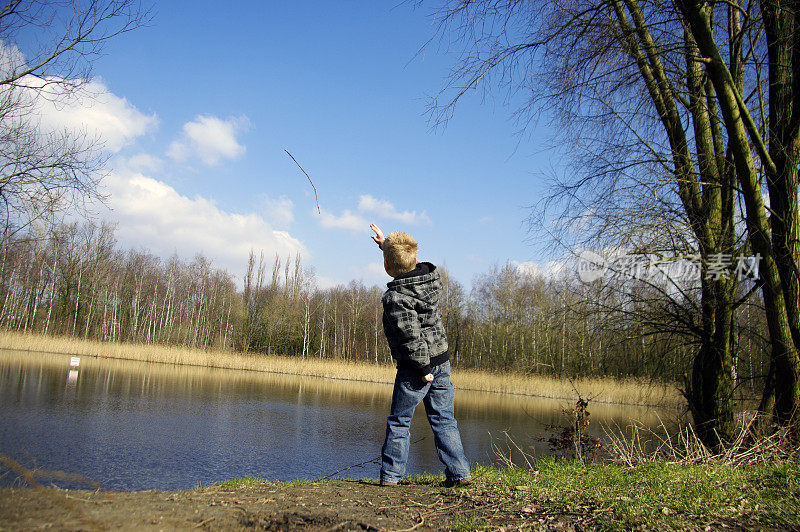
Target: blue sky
198, 107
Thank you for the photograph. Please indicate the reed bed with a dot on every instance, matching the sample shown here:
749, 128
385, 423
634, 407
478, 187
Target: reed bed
605, 390
594, 389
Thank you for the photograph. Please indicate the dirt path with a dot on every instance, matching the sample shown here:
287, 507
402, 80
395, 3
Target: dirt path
332, 506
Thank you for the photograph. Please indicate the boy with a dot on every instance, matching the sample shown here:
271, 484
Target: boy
413, 327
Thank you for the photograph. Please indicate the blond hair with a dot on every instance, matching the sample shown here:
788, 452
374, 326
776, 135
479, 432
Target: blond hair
400, 253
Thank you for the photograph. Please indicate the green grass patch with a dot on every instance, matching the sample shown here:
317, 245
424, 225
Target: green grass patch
658, 495
236, 483
468, 522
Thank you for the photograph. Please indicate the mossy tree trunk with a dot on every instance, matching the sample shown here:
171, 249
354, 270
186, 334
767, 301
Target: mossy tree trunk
706, 181
776, 238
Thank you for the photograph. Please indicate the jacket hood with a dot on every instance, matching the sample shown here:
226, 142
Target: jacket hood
425, 287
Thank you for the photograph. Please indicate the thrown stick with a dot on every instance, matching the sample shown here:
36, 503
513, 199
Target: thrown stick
309, 179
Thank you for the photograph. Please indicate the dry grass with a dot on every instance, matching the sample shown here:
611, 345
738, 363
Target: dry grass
598, 390
640, 443
208, 358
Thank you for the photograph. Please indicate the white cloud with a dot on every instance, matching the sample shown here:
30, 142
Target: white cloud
485, 220
142, 162
386, 209
153, 215
347, 220
11, 60
279, 211
377, 270
210, 139
95, 110
371, 274
82, 107
550, 270
354, 221
476, 259
325, 283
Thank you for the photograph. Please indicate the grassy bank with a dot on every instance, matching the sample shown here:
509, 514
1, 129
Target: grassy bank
566, 494
656, 495
554, 495
601, 390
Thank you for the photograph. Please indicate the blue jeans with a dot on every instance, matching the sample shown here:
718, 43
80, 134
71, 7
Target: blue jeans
438, 396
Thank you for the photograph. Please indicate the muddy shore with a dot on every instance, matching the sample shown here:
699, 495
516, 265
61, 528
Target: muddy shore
333, 506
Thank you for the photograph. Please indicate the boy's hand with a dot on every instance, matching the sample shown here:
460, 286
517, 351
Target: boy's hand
378, 236
428, 377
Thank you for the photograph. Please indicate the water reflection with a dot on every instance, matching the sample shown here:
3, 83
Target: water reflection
132, 425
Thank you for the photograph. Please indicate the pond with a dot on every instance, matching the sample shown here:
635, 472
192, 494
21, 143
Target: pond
134, 426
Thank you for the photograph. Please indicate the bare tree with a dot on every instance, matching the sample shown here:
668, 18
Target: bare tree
44, 170
665, 106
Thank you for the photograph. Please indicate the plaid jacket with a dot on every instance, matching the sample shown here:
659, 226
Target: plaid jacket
412, 321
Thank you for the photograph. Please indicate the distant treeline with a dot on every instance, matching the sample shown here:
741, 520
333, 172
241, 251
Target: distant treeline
73, 280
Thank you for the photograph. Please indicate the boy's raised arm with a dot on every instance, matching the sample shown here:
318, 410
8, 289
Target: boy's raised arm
378, 236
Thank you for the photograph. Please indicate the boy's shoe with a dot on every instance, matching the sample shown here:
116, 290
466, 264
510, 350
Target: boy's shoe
388, 483
448, 483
